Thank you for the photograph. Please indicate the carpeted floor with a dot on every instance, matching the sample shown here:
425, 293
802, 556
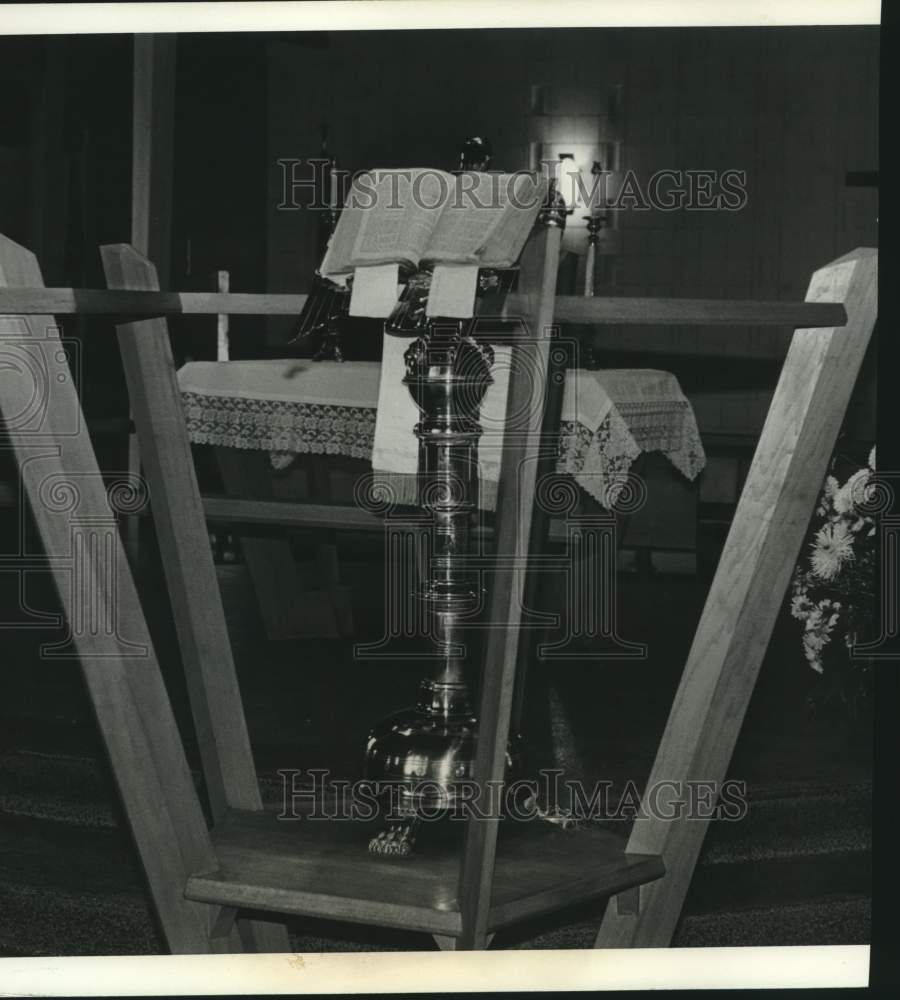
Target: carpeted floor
796, 870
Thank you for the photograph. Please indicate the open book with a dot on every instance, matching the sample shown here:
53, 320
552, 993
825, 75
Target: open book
421, 215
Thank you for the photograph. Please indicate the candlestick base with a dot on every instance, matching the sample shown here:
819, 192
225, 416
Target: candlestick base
423, 762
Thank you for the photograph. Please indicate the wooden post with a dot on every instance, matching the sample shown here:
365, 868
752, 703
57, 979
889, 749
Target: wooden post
56, 460
151, 185
222, 346
184, 544
48, 209
152, 148
747, 592
527, 395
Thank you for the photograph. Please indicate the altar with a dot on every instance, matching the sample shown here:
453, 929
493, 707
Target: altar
298, 407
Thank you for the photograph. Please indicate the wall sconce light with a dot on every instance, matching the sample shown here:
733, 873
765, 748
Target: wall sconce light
569, 176
583, 190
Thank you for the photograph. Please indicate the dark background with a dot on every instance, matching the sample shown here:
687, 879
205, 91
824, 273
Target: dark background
797, 108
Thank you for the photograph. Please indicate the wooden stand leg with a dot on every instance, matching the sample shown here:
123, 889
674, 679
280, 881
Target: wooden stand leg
760, 552
108, 632
446, 943
513, 532
184, 544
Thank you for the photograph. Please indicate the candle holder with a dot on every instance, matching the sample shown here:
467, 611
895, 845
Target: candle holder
427, 752
320, 319
595, 223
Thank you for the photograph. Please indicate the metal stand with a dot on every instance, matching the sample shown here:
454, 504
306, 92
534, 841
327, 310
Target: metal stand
426, 752
203, 880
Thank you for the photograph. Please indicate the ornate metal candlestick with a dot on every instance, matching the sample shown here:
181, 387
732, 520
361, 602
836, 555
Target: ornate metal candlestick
594, 224
428, 751
326, 306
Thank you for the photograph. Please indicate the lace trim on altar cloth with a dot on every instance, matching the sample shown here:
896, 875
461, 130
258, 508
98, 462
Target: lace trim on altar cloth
282, 428
669, 427
599, 461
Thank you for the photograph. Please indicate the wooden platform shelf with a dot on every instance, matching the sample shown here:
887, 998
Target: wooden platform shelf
320, 868
209, 886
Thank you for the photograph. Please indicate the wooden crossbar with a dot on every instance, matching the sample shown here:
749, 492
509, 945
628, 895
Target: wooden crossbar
567, 308
132, 302
684, 312
290, 514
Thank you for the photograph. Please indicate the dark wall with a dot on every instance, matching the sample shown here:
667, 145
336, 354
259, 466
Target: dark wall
65, 138
796, 108
219, 197
65, 172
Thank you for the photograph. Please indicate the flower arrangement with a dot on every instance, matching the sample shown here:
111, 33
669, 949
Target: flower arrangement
833, 589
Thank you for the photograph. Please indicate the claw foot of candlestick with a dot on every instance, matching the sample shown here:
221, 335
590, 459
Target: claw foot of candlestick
398, 840
566, 819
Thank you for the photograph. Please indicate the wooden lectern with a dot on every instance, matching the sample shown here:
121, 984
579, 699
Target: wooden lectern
225, 888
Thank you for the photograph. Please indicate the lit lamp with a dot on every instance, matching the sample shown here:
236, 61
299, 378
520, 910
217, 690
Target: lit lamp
596, 221
569, 178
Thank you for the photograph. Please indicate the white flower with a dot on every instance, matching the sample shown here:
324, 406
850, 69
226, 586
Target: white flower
818, 623
842, 517
826, 499
801, 605
815, 640
832, 548
812, 655
852, 493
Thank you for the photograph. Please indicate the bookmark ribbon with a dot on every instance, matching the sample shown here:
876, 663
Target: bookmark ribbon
452, 291
375, 292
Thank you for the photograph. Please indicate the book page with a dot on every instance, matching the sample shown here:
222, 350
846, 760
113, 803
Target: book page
405, 216
340, 244
478, 203
526, 194
406, 206
488, 221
